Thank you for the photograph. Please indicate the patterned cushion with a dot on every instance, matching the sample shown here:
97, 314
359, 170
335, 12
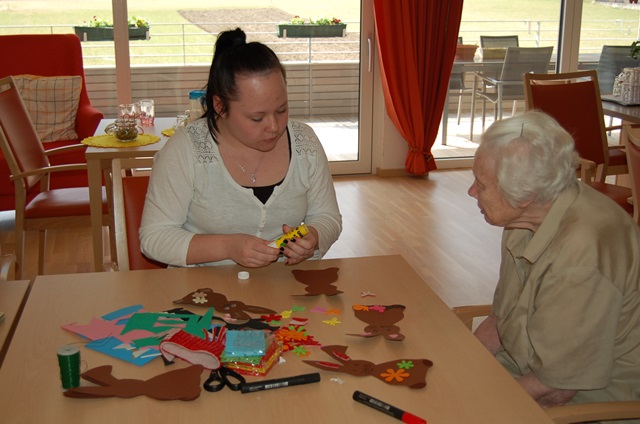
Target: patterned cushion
52, 103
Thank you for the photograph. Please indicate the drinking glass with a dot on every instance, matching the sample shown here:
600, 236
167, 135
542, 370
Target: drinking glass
147, 112
127, 110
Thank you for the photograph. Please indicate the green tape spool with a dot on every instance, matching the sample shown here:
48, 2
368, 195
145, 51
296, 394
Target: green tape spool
69, 362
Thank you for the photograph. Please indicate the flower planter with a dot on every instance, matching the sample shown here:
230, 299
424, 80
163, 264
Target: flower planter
106, 33
308, 30
465, 52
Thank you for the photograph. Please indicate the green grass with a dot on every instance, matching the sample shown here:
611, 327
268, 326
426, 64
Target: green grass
601, 24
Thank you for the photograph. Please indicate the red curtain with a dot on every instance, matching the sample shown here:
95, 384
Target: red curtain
416, 46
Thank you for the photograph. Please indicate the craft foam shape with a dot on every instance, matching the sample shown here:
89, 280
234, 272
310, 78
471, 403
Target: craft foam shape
236, 309
381, 320
113, 347
405, 372
318, 281
192, 349
160, 322
180, 384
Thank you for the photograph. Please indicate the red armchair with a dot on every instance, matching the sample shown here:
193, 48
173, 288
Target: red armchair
48, 55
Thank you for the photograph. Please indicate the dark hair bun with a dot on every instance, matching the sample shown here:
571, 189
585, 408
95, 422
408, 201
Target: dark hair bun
230, 39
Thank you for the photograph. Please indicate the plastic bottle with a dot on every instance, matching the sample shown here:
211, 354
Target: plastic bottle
196, 97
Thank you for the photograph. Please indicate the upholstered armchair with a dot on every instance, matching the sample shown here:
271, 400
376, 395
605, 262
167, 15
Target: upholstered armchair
49, 55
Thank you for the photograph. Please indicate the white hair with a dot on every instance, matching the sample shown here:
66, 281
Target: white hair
535, 157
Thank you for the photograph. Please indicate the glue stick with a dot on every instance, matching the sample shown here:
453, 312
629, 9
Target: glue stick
300, 231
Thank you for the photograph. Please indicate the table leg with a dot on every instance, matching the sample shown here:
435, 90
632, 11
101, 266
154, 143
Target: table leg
473, 105
95, 203
445, 119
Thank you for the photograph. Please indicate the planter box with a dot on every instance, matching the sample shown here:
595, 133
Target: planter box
308, 30
106, 33
465, 52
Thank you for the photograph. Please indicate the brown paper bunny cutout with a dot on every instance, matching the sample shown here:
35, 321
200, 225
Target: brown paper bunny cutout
405, 372
235, 309
381, 320
180, 384
318, 281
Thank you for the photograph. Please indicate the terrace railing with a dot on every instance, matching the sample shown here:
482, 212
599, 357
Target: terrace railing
192, 43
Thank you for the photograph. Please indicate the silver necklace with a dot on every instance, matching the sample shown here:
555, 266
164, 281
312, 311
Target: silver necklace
251, 175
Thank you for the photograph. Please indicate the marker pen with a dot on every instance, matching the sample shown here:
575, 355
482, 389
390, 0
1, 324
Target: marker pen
280, 382
381, 406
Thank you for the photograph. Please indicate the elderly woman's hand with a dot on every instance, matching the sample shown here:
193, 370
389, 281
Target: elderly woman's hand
300, 249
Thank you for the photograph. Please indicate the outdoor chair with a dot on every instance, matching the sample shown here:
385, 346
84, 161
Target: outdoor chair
508, 85
129, 193
573, 99
566, 414
496, 41
29, 167
613, 59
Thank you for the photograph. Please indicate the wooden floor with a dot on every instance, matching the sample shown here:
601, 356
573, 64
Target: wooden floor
431, 221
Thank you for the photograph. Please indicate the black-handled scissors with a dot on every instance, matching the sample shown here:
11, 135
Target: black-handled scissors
222, 377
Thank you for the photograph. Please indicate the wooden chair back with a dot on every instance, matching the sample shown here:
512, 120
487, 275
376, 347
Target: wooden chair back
129, 193
21, 145
632, 148
573, 99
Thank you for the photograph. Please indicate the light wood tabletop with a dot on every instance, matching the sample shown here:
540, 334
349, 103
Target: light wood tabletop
99, 160
12, 296
465, 385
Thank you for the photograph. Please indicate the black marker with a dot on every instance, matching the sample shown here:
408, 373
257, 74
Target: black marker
280, 382
381, 406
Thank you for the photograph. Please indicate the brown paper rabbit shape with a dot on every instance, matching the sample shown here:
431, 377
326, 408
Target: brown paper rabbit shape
405, 372
318, 281
381, 320
235, 309
180, 384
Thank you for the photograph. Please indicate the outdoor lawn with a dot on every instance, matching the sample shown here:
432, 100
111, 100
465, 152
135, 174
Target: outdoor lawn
173, 28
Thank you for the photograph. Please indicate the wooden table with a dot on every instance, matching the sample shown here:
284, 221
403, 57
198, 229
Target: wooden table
99, 160
465, 385
12, 297
626, 113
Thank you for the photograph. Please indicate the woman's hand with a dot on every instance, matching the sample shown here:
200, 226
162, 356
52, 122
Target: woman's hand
243, 249
250, 251
300, 249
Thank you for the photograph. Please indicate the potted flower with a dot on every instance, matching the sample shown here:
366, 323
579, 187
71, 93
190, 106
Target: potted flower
635, 49
302, 28
99, 29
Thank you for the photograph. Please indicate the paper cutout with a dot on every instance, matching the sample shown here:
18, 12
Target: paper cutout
318, 281
234, 308
193, 349
125, 351
132, 335
181, 384
381, 320
367, 293
163, 323
294, 335
333, 321
405, 372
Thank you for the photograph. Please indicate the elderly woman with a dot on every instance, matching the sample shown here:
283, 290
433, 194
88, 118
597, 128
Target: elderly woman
566, 312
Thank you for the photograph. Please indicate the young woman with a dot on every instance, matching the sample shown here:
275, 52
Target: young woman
227, 184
